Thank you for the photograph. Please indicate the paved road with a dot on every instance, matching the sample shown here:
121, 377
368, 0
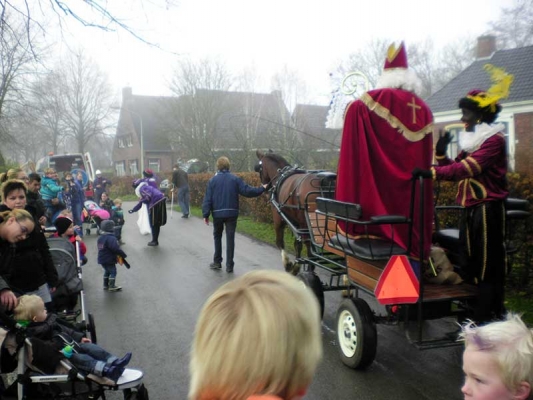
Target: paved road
155, 314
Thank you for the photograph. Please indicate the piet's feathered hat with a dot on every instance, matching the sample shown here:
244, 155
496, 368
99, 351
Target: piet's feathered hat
396, 73
486, 102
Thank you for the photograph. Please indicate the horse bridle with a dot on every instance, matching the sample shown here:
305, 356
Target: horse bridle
270, 184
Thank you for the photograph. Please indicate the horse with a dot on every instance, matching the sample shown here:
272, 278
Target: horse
291, 189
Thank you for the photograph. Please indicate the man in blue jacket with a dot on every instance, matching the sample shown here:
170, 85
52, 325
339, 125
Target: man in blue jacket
222, 200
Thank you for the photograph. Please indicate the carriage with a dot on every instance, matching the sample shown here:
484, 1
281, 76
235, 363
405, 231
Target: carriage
378, 244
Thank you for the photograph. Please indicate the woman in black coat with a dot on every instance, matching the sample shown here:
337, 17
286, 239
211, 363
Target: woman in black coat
28, 264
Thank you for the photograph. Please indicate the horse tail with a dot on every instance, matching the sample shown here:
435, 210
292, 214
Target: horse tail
290, 266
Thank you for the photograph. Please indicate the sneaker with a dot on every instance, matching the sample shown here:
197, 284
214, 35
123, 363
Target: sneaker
185, 216
122, 362
152, 243
114, 288
229, 270
215, 265
106, 287
112, 372
121, 242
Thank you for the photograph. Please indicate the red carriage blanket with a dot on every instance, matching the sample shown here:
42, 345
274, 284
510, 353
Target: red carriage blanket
387, 133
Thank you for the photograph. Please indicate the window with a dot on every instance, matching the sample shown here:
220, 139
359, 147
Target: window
121, 143
134, 170
154, 164
119, 168
129, 141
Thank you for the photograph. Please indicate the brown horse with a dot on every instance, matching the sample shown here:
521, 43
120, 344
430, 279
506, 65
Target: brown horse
291, 189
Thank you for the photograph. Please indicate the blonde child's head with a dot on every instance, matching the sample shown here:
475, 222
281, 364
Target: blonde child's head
498, 360
117, 202
258, 334
30, 308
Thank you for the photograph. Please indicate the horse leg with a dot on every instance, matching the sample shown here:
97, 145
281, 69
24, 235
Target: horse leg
279, 228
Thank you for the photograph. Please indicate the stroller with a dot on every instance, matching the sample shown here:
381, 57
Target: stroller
93, 216
69, 291
32, 370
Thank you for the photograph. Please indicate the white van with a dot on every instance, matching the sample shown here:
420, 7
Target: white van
68, 162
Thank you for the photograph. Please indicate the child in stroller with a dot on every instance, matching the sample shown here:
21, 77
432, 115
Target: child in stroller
86, 356
33, 369
94, 215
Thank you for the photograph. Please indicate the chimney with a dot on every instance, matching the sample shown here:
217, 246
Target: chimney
486, 46
127, 93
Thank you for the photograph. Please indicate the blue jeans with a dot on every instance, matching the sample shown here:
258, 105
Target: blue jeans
184, 198
92, 359
218, 228
76, 208
110, 270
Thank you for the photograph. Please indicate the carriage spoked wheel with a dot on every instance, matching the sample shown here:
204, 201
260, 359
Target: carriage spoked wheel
313, 282
356, 333
91, 327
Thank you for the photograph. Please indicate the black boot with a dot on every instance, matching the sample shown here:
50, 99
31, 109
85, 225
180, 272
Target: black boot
106, 283
155, 236
122, 362
112, 372
112, 286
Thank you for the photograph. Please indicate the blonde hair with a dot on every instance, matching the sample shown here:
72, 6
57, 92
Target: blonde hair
258, 334
11, 173
117, 201
19, 215
28, 307
510, 342
223, 163
48, 171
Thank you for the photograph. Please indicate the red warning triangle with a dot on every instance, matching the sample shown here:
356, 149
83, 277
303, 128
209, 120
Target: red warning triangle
398, 283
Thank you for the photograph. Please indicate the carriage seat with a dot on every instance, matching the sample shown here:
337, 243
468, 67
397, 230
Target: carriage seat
327, 176
366, 247
515, 210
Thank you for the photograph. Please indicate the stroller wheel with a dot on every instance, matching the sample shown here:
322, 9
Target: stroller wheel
91, 327
87, 231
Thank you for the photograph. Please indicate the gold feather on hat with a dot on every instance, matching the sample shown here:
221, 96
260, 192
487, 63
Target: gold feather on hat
501, 83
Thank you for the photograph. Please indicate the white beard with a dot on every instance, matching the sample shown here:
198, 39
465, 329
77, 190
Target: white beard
471, 141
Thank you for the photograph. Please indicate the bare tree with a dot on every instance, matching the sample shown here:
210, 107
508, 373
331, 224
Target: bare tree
514, 28
293, 89
368, 60
87, 99
16, 63
46, 109
201, 87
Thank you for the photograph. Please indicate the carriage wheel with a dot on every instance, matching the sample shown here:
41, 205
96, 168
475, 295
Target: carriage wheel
91, 327
356, 333
313, 282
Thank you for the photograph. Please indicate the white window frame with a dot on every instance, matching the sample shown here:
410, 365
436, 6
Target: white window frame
119, 168
121, 143
129, 141
154, 164
134, 168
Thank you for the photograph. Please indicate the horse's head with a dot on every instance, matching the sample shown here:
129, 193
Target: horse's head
269, 166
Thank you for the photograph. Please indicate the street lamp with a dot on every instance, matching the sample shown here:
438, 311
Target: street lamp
142, 139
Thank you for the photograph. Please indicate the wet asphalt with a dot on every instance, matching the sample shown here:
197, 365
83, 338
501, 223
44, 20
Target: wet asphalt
155, 313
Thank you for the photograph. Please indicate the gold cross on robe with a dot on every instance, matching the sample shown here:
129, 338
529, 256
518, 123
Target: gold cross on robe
415, 107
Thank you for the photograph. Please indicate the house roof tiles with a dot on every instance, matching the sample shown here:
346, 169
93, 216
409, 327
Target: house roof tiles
518, 62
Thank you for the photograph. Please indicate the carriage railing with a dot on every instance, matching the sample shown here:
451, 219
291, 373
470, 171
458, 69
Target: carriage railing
342, 217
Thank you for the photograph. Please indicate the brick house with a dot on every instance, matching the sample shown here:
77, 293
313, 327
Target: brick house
141, 117
517, 110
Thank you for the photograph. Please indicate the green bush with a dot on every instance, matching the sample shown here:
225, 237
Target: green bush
256, 208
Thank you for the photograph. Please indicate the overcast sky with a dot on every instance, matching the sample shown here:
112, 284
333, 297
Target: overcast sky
308, 36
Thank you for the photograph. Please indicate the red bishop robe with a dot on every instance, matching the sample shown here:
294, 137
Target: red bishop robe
387, 133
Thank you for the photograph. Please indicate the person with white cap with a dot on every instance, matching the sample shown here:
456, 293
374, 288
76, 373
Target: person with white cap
100, 186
